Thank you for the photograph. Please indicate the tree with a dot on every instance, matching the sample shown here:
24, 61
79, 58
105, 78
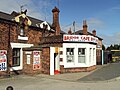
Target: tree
103, 47
111, 47
116, 46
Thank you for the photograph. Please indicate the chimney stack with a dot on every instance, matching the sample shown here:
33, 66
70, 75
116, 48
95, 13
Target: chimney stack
70, 32
94, 32
85, 27
56, 24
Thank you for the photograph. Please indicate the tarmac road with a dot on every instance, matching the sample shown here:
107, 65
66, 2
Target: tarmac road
108, 72
39, 83
104, 78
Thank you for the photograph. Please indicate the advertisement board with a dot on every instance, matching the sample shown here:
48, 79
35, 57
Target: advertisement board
80, 38
36, 60
3, 60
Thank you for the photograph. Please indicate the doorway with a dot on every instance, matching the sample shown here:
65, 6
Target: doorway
54, 61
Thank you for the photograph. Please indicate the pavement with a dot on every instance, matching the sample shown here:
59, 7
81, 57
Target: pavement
106, 72
105, 77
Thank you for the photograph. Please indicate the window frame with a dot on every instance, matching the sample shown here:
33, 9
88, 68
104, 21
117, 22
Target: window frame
70, 54
83, 54
16, 56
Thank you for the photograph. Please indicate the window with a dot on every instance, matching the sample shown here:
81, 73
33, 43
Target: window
90, 56
21, 31
16, 57
93, 54
81, 55
28, 59
70, 54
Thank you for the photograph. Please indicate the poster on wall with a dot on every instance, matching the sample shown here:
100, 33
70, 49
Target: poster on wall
3, 60
36, 60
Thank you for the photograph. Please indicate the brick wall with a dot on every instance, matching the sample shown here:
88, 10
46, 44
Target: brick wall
5, 27
34, 37
45, 60
77, 69
28, 68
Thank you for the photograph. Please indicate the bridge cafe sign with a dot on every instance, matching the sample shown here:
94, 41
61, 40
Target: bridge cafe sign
80, 38
3, 60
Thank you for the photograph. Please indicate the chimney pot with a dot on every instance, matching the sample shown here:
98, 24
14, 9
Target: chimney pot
85, 27
70, 32
94, 32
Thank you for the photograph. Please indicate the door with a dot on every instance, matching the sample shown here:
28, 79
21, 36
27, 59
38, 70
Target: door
54, 61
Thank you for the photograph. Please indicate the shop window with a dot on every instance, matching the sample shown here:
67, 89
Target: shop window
70, 55
81, 55
90, 56
93, 54
16, 57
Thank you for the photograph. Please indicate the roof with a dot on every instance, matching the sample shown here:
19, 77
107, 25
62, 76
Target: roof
62, 32
33, 20
6, 16
80, 32
12, 16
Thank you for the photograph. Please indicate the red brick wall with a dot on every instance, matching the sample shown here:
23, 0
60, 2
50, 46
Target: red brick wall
34, 37
73, 70
28, 68
45, 60
33, 34
99, 56
4, 38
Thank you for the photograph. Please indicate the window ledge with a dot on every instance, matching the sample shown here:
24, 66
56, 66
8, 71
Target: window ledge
22, 38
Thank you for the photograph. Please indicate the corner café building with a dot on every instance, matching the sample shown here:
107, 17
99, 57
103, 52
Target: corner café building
79, 51
44, 51
72, 53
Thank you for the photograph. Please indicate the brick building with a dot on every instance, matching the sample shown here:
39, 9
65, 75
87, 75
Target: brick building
99, 43
70, 53
29, 45
20, 36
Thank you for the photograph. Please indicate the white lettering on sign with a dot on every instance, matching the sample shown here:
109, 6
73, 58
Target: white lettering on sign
80, 38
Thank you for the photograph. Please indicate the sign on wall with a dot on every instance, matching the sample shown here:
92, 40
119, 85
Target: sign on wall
3, 60
36, 60
28, 59
80, 38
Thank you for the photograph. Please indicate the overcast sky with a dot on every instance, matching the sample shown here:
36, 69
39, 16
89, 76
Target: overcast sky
101, 15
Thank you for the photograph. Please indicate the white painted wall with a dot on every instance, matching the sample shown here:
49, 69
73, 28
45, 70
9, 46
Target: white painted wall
76, 46
52, 50
57, 61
